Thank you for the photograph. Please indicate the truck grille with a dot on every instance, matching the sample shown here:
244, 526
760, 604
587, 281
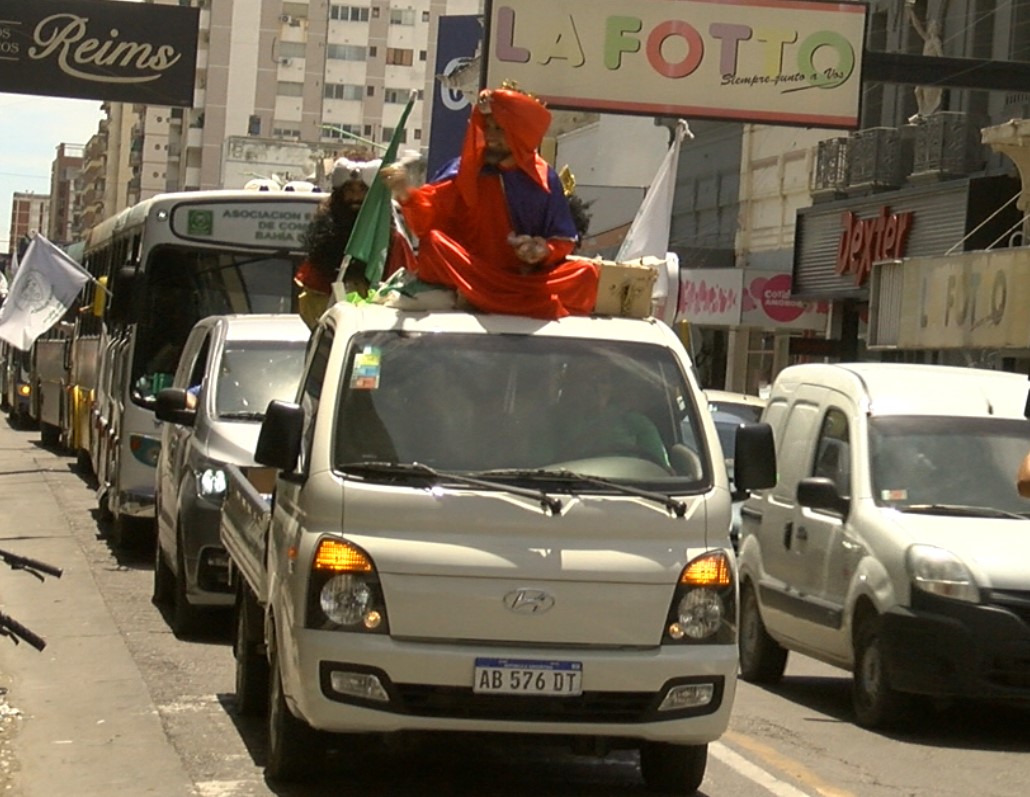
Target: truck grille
1015, 601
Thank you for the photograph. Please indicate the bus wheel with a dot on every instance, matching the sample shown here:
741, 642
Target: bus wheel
50, 434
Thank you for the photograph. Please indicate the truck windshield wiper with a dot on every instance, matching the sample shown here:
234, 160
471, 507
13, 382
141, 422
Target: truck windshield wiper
418, 470
569, 476
242, 415
960, 510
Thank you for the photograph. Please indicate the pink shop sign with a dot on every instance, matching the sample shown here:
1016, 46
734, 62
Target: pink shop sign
745, 297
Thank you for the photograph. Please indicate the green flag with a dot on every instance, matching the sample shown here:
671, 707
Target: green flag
370, 238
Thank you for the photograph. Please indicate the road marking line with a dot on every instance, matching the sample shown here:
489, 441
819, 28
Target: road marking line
753, 772
785, 764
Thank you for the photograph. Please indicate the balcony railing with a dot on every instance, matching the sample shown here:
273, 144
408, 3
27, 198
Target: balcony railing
946, 145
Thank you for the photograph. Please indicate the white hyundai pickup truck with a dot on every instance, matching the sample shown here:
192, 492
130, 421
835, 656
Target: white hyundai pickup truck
489, 523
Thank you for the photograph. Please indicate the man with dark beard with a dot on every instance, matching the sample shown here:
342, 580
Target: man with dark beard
326, 238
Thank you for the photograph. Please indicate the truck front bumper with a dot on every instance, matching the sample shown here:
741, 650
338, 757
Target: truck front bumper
429, 686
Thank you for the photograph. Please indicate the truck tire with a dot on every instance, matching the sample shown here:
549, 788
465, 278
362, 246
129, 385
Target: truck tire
295, 749
252, 669
673, 768
762, 659
876, 703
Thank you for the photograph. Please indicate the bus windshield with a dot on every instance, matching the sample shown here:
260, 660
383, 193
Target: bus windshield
183, 285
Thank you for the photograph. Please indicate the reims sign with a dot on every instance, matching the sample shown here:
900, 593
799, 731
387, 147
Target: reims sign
99, 49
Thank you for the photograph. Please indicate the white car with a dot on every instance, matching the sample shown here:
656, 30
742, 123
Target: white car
729, 410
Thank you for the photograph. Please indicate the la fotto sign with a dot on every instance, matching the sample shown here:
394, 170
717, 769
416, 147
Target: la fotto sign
794, 62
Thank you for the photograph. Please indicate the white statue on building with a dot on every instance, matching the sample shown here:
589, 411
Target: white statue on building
928, 98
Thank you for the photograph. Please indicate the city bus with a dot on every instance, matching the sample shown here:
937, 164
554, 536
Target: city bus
160, 266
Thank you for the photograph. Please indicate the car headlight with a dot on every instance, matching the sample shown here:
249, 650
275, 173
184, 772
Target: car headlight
347, 599
211, 482
940, 572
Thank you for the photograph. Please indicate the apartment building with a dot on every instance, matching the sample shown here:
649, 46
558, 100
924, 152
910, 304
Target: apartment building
64, 174
30, 212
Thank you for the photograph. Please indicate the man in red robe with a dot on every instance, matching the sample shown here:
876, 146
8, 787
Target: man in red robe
495, 224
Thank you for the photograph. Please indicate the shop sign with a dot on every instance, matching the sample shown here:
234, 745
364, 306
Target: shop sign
794, 62
973, 300
866, 241
746, 297
99, 49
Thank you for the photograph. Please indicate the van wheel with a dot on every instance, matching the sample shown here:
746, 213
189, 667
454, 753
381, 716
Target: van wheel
673, 768
876, 703
294, 748
251, 662
164, 579
762, 659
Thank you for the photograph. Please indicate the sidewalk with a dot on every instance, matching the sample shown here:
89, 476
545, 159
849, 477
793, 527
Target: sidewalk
88, 726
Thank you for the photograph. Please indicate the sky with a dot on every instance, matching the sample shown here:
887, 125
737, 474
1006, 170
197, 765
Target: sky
31, 128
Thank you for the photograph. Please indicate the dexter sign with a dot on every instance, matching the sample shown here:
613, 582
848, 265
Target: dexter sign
99, 49
794, 62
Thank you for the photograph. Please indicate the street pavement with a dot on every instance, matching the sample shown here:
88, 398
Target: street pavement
70, 722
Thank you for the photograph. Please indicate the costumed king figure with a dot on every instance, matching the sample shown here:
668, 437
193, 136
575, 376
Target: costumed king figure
495, 224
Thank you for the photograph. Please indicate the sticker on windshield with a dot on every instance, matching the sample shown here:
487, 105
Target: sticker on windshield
894, 495
365, 375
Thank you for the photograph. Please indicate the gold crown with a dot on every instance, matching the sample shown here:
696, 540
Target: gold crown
568, 180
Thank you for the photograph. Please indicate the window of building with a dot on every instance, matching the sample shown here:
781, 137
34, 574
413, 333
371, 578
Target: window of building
295, 10
398, 96
343, 91
346, 52
399, 56
422, 55
340, 131
418, 134
370, 91
425, 16
285, 132
289, 89
388, 134
348, 13
368, 130
402, 16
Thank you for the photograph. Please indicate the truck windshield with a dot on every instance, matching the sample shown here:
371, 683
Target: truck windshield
926, 460
475, 403
251, 374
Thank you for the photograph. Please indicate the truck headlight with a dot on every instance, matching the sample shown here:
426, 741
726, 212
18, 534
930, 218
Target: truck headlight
344, 591
704, 605
940, 572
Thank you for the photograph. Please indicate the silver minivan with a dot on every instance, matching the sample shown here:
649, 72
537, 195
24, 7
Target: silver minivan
230, 368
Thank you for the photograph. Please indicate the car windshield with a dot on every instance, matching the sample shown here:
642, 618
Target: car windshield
926, 460
477, 404
253, 373
744, 413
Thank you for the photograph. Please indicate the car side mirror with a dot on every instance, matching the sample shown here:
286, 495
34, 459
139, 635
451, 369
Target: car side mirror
172, 405
818, 492
122, 301
754, 457
279, 441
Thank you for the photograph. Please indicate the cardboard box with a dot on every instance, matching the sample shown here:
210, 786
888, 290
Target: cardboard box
626, 289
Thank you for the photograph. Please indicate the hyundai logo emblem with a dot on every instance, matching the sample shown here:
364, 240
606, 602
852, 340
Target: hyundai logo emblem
529, 601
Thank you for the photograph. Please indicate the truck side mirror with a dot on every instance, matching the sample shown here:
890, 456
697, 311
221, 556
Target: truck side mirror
818, 492
172, 405
754, 457
282, 430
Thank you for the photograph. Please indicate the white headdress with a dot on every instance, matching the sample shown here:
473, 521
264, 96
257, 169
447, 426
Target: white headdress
345, 170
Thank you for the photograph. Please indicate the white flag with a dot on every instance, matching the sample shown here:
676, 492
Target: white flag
648, 235
12, 267
41, 291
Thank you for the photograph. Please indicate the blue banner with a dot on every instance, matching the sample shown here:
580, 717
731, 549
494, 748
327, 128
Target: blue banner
458, 38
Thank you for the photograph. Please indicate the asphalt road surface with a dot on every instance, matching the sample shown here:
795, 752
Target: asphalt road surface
116, 706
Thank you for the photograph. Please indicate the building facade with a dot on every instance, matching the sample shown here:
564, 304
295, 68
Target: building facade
64, 179
30, 213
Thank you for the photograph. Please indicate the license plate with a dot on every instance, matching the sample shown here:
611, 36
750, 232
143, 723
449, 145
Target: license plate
528, 677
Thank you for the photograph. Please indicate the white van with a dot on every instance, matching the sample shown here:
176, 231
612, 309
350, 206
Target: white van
894, 543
